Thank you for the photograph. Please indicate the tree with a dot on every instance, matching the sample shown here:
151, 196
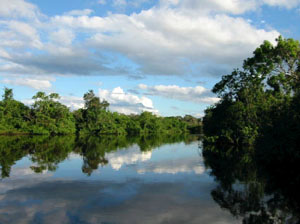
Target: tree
50, 116
8, 94
94, 117
13, 114
253, 98
274, 69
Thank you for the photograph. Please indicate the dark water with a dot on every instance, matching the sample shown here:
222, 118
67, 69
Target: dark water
161, 179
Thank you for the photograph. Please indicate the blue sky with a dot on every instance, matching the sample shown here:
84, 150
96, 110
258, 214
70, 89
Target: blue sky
161, 56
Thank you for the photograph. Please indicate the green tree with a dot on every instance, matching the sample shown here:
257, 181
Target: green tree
253, 98
94, 116
13, 114
50, 116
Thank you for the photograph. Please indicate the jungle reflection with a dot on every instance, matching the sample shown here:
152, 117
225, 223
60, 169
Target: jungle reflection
47, 152
255, 186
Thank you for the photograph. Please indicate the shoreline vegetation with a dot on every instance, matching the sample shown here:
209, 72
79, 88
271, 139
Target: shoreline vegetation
252, 136
47, 116
260, 103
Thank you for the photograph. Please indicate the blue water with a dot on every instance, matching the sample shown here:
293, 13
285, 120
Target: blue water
168, 184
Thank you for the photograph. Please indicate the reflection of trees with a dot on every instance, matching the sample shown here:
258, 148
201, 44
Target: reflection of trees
93, 150
148, 142
12, 149
47, 152
251, 191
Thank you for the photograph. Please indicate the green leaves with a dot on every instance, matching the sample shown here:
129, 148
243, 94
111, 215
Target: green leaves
47, 116
267, 83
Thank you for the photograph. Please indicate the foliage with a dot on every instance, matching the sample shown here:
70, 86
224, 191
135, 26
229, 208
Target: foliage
50, 116
252, 136
47, 116
96, 119
254, 99
14, 115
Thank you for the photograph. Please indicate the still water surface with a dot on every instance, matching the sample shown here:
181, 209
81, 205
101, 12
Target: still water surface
107, 180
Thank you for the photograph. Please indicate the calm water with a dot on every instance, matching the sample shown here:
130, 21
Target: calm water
115, 180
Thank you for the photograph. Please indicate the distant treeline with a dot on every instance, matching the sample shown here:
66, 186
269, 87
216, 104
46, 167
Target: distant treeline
47, 116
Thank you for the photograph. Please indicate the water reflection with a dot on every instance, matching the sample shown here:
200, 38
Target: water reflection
47, 152
148, 179
158, 179
250, 186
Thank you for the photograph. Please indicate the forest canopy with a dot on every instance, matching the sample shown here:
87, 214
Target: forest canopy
259, 103
47, 116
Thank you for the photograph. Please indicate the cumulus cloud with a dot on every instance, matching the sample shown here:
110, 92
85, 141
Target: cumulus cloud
227, 6
19, 36
283, 3
169, 39
38, 84
196, 94
120, 101
18, 8
83, 12
171, 42
126, 103
62, 37
231, 6
73, 102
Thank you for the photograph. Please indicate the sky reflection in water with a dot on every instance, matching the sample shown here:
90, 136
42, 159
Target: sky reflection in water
167, 184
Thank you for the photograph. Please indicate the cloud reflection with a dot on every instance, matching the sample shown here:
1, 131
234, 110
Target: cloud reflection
184, 165
129, 156
107, 202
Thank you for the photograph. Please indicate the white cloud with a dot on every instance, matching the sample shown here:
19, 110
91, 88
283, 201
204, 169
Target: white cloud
283, 3
230, 6
62, 37
175, 37
83, 12
27, 32
125, 102
119, 100
38, 84
18, 8
17, 34
196, 94
73, 102
171, 42
227, 6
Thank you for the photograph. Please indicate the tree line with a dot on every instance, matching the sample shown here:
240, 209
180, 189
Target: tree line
260, 103
47, 116
252, 136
